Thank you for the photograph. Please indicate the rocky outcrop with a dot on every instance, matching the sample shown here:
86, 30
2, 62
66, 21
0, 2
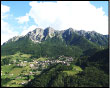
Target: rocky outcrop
36, 35
39, 34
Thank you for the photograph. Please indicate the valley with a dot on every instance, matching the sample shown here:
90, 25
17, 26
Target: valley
21, 68
51, 58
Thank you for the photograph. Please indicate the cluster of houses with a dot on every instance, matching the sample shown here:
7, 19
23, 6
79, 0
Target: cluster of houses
36, 64
40, 65
67, 62
43, 64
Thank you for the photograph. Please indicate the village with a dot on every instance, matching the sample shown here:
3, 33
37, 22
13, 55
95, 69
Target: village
40, 65
25, 70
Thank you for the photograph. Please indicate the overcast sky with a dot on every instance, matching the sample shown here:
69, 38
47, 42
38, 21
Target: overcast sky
20, 17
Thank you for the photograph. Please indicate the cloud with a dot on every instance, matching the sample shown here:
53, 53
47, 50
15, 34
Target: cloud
6, 29
4, 10
6, 32
23, 19
28, 29
62, 15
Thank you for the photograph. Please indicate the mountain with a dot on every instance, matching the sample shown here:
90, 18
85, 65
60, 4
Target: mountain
94, 37
35, 40
52, 58
40, 34
73, 38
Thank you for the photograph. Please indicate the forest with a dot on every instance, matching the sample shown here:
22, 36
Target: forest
89, 68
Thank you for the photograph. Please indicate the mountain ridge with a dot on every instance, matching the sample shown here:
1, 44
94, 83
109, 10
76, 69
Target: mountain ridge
51, 58
38, 35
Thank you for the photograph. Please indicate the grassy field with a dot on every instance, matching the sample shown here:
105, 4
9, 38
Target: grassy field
18, 70
15, 83
7, 68
75, 70
11, 73
42, 59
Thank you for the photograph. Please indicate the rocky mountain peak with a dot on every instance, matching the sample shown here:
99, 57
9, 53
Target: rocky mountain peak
81, 32
36, 35
69, 31
39, 35
37, 31
49, 31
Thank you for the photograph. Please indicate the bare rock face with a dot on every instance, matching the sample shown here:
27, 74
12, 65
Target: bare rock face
39, 34
36, 35
49, 31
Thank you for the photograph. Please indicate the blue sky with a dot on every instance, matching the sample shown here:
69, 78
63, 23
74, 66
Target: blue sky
21, 17
19, 8
99, 4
